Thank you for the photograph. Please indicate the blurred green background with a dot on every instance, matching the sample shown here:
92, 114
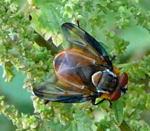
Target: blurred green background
139, 46
16, 95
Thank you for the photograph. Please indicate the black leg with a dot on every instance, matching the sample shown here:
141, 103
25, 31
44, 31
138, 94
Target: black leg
93, 101
104, 65
110, 104
113, 58
30, 17
46, 101
78, 23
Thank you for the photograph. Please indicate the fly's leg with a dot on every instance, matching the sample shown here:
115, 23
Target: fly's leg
110, 104
113, 58
101, 101
94, 101
46, 102
78, 24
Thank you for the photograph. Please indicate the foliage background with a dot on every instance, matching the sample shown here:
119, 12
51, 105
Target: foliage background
122, 25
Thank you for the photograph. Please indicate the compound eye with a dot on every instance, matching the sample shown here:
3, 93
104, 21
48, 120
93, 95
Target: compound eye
123, 80
115, 95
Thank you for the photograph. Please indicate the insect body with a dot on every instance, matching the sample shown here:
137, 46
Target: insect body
83, 72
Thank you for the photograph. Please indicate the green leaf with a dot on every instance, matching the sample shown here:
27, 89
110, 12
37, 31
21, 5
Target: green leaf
118, 111
125, 127
82, 121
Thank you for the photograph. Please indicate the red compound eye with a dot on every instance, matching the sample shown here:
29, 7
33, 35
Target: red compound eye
116, 95
123, 81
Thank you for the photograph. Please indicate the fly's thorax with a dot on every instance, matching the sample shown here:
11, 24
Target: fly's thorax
105, 81
110, 85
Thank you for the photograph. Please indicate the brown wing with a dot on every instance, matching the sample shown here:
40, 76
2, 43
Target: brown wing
53, 90
74, 68
79, 38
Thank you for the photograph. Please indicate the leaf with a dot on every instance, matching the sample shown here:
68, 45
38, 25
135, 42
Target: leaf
82, 121
124, 126
118, 111
47, 21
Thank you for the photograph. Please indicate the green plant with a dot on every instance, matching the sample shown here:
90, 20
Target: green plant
106, 20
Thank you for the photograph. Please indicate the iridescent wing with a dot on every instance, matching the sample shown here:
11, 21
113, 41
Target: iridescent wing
79, 38
73, 79
75, 69
57, 92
